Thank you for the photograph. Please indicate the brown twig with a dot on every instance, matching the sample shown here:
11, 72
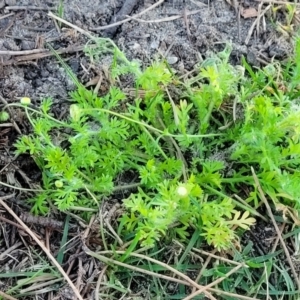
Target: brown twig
263, 198
7, 297
9, 250
41, 244
82, 31
208, 259
128, 19
97, 289
186, 23
80, 274
9, 222
216, 256
277, 238
23, 58
29, 7
6, 125
23, 52
167, 19
6, 16
259, 15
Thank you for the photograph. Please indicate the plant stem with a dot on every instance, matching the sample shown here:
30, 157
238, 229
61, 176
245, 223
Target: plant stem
126, 187
237, 203
163, 133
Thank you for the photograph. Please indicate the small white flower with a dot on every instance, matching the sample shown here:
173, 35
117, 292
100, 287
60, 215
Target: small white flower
182, 191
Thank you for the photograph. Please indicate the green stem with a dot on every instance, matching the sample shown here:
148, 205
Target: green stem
156, 143
35, 111
126, 187
237, 203
163, 133
209, 111
239, 179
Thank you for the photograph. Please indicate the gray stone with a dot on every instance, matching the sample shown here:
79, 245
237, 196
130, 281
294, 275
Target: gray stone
172, 60
10, 2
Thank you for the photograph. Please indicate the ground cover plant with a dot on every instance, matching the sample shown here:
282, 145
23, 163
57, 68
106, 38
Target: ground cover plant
196, 153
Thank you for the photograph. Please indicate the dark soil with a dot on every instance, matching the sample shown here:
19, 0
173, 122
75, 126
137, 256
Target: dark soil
201, 26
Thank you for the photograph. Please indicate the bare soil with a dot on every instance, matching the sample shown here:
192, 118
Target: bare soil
181, 31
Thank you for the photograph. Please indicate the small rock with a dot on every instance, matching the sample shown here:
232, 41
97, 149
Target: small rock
251, 59
2, 3
10, 2
172, 60
136, 46
154, 44
27, 45
45, 73
74, 64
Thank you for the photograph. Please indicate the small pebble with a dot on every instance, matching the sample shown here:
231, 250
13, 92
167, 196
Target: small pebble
172, 60
74, 64
154, 44
10, 2
45, 73
27, 45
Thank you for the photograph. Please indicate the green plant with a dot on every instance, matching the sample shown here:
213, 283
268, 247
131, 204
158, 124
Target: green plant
4, 116
187, 142
60, 10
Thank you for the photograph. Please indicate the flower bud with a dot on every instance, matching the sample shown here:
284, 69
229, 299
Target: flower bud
59, 183
25, 100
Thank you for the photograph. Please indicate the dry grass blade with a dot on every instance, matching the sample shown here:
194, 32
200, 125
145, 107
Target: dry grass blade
204, 266
82, 31
45, 53
167, 19
238, 297
99, 281
7, 297
187, 280
278, 2
212, 255
269, 210
255, 23
10, 250
28, 7
50, 256
39, 286
128, 19
23, 52
6, 16
215, 283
